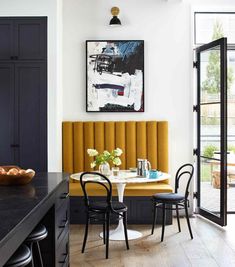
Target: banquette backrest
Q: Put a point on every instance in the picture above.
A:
(137, 139)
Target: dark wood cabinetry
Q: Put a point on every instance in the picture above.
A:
(6, 113)
(23, 38)
(23, 92)
(139, 210)
(55, 248)
(45, 200)
(62, 226)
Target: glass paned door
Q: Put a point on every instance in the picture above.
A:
(212, 130)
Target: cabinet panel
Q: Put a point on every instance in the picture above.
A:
(6, 37)
(139, 210)
(62, 252)
(30, 38)
(6, 114)
(62, 221)
(31, 109)
(23, 92)
(62, 194)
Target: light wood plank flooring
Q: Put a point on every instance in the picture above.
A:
(211, 246)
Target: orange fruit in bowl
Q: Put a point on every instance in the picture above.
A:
(2, 171)
(13, 171)
(22, 172)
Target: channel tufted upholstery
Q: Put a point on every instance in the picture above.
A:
(137, 139)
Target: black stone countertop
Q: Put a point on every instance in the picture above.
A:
(18, 202)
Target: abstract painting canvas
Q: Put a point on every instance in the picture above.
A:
(115, 76)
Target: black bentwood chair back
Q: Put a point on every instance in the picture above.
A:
(166, 201)
(101, 210)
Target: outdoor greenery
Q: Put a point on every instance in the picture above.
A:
(212, 84)
(211, 89)
(206, 174)
(231, 148)
(209, 151)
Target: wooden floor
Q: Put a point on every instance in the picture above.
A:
(211, 246)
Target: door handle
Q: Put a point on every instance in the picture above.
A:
(15, 145)
(14, 57)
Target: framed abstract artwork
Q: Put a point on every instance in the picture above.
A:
(115, 76)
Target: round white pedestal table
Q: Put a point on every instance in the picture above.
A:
(124, 178)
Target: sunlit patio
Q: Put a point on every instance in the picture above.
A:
(210, 197)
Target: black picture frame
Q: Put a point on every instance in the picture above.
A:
(115, 76)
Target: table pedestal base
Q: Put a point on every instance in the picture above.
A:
(118, 233)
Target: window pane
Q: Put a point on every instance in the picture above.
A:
(231, 101)
(210, 186)
(212, 26)
(210, 75)
(210, 131)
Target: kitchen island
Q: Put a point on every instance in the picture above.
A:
(44, 200)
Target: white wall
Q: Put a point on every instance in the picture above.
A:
(165, 28)
(53, 10)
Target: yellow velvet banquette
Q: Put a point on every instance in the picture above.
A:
(137, 139)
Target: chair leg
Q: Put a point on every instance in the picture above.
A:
(107, 234)
(125, 229)
(178, 218)
(31, 249)
(104, 218)
(85, 235)
(39, 254)
(188, 222)
(154, 217)
(163, 220)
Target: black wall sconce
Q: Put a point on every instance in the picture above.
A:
(115, 21)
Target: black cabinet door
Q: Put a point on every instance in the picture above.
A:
(30, 38)
(6, 39)
(31, 111)
(7, 114)
(23, 38)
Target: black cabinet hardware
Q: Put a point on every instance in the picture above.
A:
(15, 145)
(64, 225)
(64, 195)
(65, 259)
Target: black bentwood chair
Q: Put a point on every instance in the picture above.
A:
(165, 201)
(101, 210)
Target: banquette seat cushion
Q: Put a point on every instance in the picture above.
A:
(137, 139)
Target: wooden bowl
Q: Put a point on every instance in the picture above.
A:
(19, 179)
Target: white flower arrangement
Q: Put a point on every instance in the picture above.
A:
(92, 152)
(106, 156)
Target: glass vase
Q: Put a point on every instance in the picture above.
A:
(104, 168)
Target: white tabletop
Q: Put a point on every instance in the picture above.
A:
(126, 177)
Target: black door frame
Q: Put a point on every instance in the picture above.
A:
(222, 220)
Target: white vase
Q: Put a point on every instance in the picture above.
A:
(104, 168)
